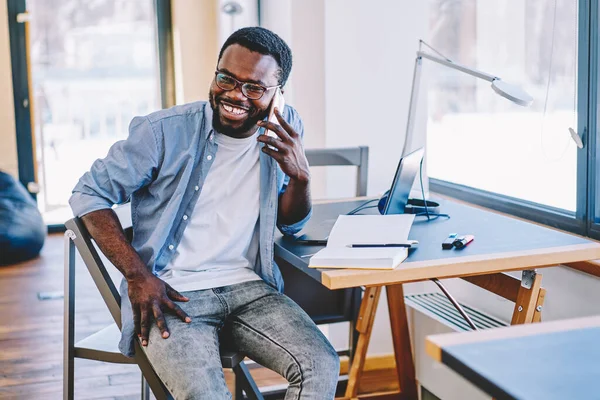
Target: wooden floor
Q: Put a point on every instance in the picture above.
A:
(31, 337)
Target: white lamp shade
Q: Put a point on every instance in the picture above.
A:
(512, 92)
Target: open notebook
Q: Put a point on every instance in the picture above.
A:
(365, 229)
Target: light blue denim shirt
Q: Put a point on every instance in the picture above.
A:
(161, 168)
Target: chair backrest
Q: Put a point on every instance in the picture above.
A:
(356, 156)
(93, 261)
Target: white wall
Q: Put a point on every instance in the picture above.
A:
(8, 137)
(370, 52)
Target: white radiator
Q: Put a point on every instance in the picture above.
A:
(432, 313)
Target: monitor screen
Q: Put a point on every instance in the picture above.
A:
(407, 171)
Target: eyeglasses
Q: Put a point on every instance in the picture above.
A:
(253, 91)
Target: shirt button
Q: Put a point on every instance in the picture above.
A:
(185, 217)
(209, 157)
(171, 247)
(197, 188)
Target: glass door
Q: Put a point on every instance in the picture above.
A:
(93, 66)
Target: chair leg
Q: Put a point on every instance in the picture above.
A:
(145, 389)
(239, 392)
(244, 381)
(69, 319)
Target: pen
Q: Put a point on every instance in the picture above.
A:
(367, 245)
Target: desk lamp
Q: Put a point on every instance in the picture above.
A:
(504, 89)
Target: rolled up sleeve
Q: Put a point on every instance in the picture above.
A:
(129, 165)
(296, 227)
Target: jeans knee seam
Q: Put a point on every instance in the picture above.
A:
(278, 345)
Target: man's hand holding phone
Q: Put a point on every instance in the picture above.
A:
(284, 144)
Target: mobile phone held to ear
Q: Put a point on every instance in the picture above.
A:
(279, 103)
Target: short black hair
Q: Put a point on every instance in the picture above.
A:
(265, 42)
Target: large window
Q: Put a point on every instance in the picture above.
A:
(94, 65)
(481, 140)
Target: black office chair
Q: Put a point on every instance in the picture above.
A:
(102, 345)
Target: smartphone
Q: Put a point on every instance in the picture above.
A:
(279, 102)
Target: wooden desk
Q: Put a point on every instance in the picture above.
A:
(552, 360)
(501, 244)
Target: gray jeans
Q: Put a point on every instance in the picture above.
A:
(252, 318)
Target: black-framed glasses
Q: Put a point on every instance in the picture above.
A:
(253, 91)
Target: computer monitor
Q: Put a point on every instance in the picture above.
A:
(394, 203)
(407, 171)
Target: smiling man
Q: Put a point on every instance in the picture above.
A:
(206, 195)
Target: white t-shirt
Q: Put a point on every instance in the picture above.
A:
(220, 245)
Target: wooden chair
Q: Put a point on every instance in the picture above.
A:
(102, 345)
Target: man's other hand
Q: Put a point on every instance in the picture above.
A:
(150, 296)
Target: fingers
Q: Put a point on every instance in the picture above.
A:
(277, 129)
(143, 319)
(174, 294)
(277, 155)
(136, 321)
(178, 311)
(160, 321)
(271, 141)
(144, 324)
(284, 124)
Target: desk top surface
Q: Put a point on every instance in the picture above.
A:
(501, 244)
(552, 360)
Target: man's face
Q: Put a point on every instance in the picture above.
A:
(234, 114)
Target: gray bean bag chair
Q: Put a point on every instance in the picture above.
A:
(22, 229)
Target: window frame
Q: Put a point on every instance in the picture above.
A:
(166, 52)
(593, 227)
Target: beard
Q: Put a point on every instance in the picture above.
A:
(240, 130)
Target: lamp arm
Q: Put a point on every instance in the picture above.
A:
(412, 108)
(459, 67)
(414, 93)
(504, 89)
